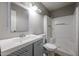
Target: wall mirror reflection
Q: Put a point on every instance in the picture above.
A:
(19, 18)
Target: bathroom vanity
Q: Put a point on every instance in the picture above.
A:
(18, 23)
(26, 46)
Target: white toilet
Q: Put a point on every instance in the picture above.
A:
(50, 48)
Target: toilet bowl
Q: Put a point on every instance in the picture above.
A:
(51, 48)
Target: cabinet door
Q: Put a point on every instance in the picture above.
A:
(25, 51)
(38, 48)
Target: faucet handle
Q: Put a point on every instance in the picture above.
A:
(22, 35)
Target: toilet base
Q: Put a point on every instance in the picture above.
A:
(48, 53)
(51, 53)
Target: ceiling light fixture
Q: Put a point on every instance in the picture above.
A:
(34, 8)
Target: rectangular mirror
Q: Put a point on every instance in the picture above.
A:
(19, 18)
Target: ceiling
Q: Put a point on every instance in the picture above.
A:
(55, 5)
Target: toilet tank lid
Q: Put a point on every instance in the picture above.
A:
(50, 46)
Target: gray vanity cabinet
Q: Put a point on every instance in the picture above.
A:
(35, 49)
(25, 51)
(38, 48)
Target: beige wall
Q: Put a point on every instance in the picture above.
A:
(35, 22)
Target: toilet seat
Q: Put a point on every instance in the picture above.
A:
(50, 46)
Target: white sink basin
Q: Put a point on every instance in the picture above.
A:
(27, 37)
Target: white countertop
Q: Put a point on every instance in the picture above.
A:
(12, 44)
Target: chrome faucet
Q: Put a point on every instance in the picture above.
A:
(22, 35)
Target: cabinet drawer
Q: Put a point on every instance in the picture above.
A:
(25, 51)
